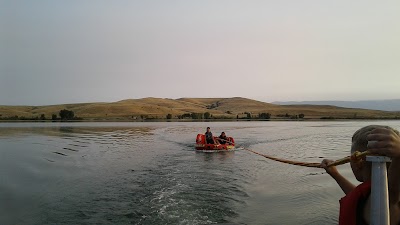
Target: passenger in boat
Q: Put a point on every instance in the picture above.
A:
(356, 205)
(210, 138)
(223, 138)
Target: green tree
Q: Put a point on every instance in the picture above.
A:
(197, 116)
(207, 115)
(301, 115)
(248, 115)
(66, 114)
(264, 116)
(42, 117)
(186, 115)
(53, 117)
(169, 116)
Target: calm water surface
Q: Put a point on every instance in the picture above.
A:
(149, 173)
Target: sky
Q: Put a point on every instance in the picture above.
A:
(55, 52)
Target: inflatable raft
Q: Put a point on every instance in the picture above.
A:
(202, 146)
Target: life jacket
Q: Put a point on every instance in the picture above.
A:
(351, 205)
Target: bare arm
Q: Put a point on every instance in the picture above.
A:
(344, 184)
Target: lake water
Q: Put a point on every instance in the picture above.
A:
(149, 173)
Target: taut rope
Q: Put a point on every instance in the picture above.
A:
(356, 155)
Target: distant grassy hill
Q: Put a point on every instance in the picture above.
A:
(218, 107)
(386, 105)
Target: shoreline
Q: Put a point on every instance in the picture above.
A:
(194, 120)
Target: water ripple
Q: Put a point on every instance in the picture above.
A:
(149, 173)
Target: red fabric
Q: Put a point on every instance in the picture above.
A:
(349, 203)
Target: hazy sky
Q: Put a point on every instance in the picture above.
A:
(69, 51)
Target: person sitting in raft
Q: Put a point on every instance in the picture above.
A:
(210, 138)
(355, 207)
(222, 138)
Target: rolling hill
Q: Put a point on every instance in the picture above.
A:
(386, 105)
(218, 107)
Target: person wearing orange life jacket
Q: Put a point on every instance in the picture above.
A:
(355, 206)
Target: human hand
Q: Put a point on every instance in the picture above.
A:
(384, 142)
(330, 170)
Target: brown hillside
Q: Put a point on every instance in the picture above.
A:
(218, 107)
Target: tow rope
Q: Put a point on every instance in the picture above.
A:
(355, 156)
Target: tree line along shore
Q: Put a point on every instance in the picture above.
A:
(69, 115)
(186, 109)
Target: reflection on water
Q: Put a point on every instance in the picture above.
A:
(64, 130)
(149, 173)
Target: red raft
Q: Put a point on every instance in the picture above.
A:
(201, 145)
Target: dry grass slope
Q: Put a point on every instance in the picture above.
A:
(160, 107)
